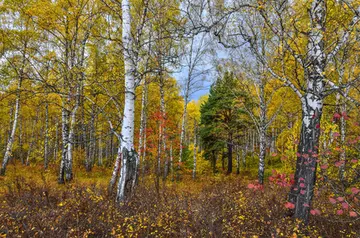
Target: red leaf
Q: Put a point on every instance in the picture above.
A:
(340, 199)
(332, 200)
(354, 161)
(315, 212)
(251, 186)
(339, 212)
(290, 205)
(345, 205)
(353, 214)
(317, 126)
(336, 134)
(302, 185)
(306, 205)
(337, 115)
(355, 190)
(324, 166)
(338, 163)
(302, 192)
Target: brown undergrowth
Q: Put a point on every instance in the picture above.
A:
(35, 206)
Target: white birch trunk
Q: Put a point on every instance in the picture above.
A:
(8, 151)
(302, 191)
(262, 134)
(129, 159)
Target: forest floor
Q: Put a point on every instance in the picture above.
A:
(32, 204)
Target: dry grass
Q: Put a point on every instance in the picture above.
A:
(32, 204)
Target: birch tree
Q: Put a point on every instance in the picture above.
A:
(17, 47)
(308, 45)
(195, 64)
(312, 93)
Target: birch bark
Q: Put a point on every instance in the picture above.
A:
(129, 158)
(10, 143)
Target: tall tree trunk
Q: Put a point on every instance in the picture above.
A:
(144, 148)
(302, 191)
(342, 110)
(65, 137)
(223, 160)
(129, 158)
(186, 101)
(163, 126)
(262, 133)
(214, 159)
(71, 140)
(171, 163)
(8, 151)
(32, 142)
(273, 140)
(142, 124)
(92, 142)
(182, 134)
(237, 160)
(342, 139)
(56, 143)
(46, 139)
(262, 154)
(229, 155)
(195, 151)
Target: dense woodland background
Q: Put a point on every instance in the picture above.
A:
(103, 132)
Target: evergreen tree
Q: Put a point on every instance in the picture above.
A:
(221, 118)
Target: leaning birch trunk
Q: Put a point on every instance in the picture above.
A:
(10, 143)
(302, 191)
(129, 158)
(116, 170)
